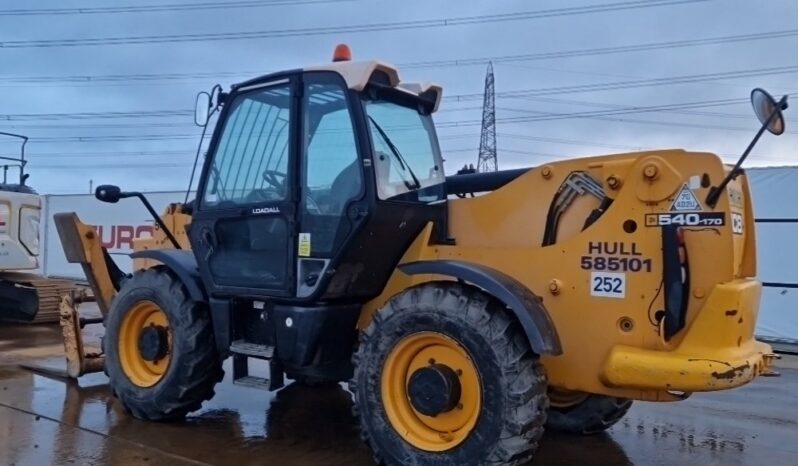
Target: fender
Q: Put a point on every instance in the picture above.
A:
(525, 305)
(183, 264)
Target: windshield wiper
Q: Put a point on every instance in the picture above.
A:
(402, 162)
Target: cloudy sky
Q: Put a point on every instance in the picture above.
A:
(108, 95)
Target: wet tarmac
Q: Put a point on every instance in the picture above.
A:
(46, 420)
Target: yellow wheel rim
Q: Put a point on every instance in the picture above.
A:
(140, 371)
(563, 398)
(446, 430)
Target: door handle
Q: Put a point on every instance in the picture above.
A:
(209, 240)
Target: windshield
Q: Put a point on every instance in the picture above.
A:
(406, 154)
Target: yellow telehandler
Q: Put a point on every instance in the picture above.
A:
(326, 239)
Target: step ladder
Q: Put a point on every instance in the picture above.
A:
(242, 351)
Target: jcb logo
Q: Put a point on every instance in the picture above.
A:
(737, 223)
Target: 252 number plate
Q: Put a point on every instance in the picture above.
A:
(608, 284)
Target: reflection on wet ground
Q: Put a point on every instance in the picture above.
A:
(46, 420)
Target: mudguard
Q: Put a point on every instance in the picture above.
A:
(183, 264)
(525, 305)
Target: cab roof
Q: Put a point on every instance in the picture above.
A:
(358, 73)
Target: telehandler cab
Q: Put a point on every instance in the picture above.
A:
(323, 240)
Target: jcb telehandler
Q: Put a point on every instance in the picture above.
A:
(326, 240)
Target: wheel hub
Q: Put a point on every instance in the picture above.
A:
(145, 343)
(153, 342)
(431, 391)
(434, 389)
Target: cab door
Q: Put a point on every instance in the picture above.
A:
(243, 230)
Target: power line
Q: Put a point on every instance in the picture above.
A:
(535, 117)
(93, 115)
(350, 29)
(585, 103)
(119, 78)
(117, 166)
(575, 142)
(117, 137)
(107, 154)
(612, 119)
(546, 116)
(644, 47)
(534, 154)
(618, 85)
(93, 79)
(81, 125)
(635, 83)
(610, 146)
(158, 8)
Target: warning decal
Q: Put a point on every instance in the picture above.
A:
(304, 245)
(685, 201)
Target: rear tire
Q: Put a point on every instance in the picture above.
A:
(594, 414)
(509, 417)
(191, 366)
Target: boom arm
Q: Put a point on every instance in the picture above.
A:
(82, 246)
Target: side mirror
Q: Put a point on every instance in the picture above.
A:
(202, 108)
(768, 111)
(108, 193)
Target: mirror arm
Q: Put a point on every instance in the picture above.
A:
(154, 214)
(715, 191)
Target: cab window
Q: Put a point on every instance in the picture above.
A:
(251, 159)
(333, 174)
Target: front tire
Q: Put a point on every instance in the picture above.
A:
(455, 333)
(161, 358)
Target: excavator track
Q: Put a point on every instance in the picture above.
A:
(32, 298)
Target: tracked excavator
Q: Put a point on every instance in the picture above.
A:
(24, 295)
(326, 242)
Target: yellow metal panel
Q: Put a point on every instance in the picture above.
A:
(717, 352)
(177, 221)
(504, 230)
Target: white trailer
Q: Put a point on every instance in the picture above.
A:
(775, 191)
(117, 224)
